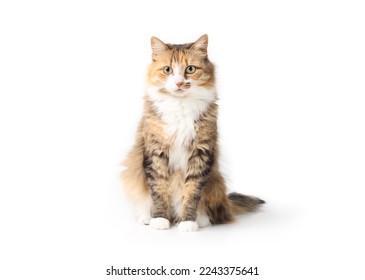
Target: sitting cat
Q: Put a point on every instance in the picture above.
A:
(172, 172)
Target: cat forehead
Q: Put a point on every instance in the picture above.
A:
(178, 56)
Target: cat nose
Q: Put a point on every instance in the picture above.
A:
(179, 84)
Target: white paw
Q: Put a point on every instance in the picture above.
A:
(203, 220)
(188, 226)
(160, 223)
(144, 219)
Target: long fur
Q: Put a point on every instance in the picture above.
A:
(172, 174)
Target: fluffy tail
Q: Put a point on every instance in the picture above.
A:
(240, 203)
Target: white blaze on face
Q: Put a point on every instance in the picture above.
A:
(176, 77)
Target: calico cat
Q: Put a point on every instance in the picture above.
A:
(172, 172)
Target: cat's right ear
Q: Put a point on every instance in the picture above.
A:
(157, 46)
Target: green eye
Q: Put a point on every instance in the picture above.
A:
(190, 69)
(167, 70)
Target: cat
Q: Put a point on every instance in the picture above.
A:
(172, 172)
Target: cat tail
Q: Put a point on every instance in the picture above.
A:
(240, 203)
(133, 177)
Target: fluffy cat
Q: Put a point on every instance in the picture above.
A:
(172, 173)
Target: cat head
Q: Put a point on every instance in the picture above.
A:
(181, 70)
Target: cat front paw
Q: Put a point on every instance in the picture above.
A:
(160, 223)
(188, 226)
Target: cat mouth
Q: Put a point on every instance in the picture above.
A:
(176, 92)
(179, 92)
(182, 89)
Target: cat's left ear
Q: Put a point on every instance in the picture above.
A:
(201, 45)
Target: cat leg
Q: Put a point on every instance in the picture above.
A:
(202, 220)
(157, 174)
(160, 207)
(199, 167)
(191, 198)
(215, 201)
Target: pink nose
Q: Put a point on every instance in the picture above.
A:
(179, 84)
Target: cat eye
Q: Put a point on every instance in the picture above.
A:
(190, 69)
(167, 70)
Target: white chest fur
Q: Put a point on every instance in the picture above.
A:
(179, 115)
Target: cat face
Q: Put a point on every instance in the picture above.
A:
(179, 70)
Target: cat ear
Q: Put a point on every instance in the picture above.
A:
(157, 46)
(201, 45)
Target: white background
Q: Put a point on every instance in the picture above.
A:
(292, 130)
